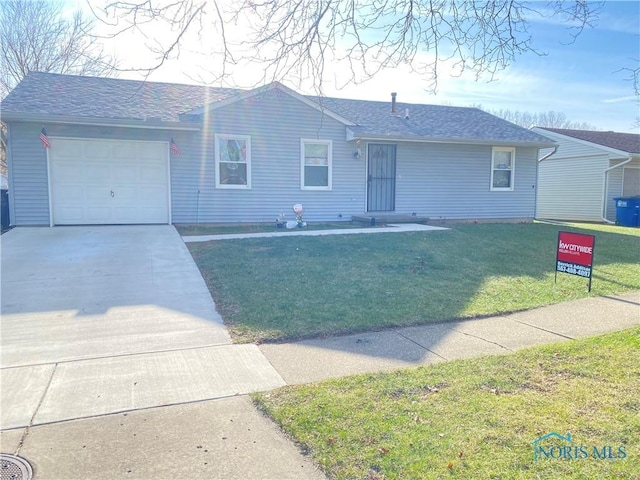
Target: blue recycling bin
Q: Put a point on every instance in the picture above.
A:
(628, 211)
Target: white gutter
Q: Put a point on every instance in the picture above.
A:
(458, 141)
(605, 188)
(555, 149)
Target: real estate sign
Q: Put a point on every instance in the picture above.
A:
(574, 254)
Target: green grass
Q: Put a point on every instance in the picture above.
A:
(294, 287)
(475, 418)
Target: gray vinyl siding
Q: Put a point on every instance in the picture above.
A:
(631, 180)
(275, 122)
(441, 181)
(453, 182)
(28, 187)
(571, 188)
(571, 182)
(614, 190)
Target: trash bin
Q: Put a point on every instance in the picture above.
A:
(4, 209)
(628, 211)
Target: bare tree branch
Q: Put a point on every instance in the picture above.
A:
(35, 36)
(549, 119)
(297, 39)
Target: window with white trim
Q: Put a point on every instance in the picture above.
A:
(233, 161)
(503, 162)
(316, 164)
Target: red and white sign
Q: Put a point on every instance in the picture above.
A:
(574, 254)
(576, 248)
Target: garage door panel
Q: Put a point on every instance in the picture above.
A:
(70, 195)
(111, 182)
(93, 173)
(125, 196)
(125, 175)
(67, 172)
(155, 214)
(72, 213)
(125, 214)
(95, 196)
(66, 149)
(126, 151)
(97, 215)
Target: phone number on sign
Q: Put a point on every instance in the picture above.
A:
(574, 269)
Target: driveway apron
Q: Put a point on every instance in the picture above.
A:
(98, 320)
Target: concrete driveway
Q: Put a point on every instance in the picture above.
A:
(97, 320)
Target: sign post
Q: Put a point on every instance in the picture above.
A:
(574, 254)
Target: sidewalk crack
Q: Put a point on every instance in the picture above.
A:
(483, 339)
(35, 412)
(420, 345)
(544, 330)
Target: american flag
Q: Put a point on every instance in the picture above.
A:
(174, 148)
(44, 139)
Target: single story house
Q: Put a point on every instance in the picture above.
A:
(86, 150)
(589, 169)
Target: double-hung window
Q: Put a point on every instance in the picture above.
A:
(502, 168)
(233, 161)
(316, 163)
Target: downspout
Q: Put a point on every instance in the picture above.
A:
(605, 189)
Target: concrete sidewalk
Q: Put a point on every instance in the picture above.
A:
(390, 228)
(314, 360)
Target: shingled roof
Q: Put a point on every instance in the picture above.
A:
(626, 142)
(53, 96)
(419, 121)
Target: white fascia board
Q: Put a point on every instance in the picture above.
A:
(605, 149)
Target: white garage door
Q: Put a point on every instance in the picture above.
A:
(108, 182)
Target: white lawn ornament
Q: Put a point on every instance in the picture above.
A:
(298, 210)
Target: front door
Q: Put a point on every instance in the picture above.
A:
(381, 177)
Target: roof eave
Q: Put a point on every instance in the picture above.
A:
(149, 123)
(462, 141)
(580, 141)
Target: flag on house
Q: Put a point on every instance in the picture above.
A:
(174, 148)
(44, 139)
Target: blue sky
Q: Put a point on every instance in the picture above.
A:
(582, 79)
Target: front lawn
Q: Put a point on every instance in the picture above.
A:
(287, 288)
(477, 418)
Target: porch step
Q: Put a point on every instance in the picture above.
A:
(382, 217)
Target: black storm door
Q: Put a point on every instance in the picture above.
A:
(381, 177)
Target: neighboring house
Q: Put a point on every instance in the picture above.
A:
(589, 169)
(247, 156)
